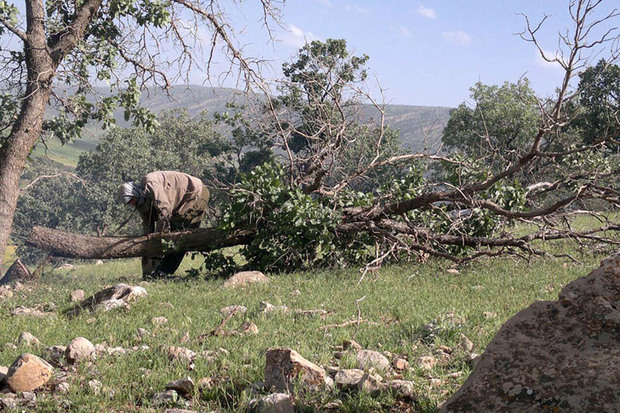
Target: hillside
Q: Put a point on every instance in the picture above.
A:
(420, 126)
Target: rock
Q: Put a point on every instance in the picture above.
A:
(367, 359)
(182, 355)
(99, 262)
(165, 398)
(358, 381)
(54, 355)
(28, 372)
(179, 411)
(206, 383)
(466, 344)
(3, 372)
(453, 271)
(5, 292)
(27, 339)
(79, 349)
(238, 309)
(554, 355)
(435, 382)
(348, 379)
(275, 403)
(76, 296)
(351, 345)
(244, 278)
(63, 387)
(17, 272)
(285, 366)
(248, 328)
(10, 346)
(402, 388)
(184, 386)
(400, 364)
(38, 311)
(266, 308)
(8, 403)
(95, 386)
(159, 321)
(117, 296)
(427, 362)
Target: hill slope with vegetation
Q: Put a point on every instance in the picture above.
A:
(420, 126)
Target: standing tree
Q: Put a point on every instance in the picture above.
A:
(61, 48)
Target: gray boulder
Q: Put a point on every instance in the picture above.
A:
(555, 355)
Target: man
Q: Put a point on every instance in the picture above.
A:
(167, 201)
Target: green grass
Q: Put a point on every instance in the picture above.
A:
(397, 302)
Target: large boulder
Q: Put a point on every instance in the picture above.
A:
(285, 367)
(559, 355)
(28, 372)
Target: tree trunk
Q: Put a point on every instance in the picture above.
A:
(27, 128)
(66, 244)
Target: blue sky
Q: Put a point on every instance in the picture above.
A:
(422, 53)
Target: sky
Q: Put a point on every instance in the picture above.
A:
(422, 53)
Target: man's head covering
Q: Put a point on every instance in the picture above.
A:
(129, 190)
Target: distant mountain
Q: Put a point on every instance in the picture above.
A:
(420, 126)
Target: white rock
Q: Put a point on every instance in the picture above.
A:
(79, 349)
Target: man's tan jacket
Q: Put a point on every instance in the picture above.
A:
(168, 193)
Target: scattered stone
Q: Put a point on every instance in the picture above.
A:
(5, 292)
(466, 344)
(400, 364)
(245, 278)
(165, 398)
(472, 359)
(332, 370)
(206, 383)
(3, 372)
(63, 387)
(339, 354)
(159, 321)
(285, 367)
(435, 382)
(79, 349)
(402, 388)
(295, 293)
(454, 375)
(349, 379)
(29, 397)
(38, 311)
(76, 296)
(275, 403)
(446, 349)
(54, 355)
(95, 386)
(367, 359)
(99, 262)
(143, 332)
(66, 265)
(554, 355)
(182, 355)
(489, 314)
(248, 328)
(265, 308)
(333, 405)
(452, 271)
(238, 309)
(427, 362)
(27, 339)
(10, 346)
(8, 403)
(110, 298)
(351, 345)
(28, 372)
(184, 386)
(179, 411)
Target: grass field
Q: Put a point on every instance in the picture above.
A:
(395, 304)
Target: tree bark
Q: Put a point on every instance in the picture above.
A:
(69, 245)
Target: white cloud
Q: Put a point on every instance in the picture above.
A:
(358, 9)
(426, 12)
(298, 38)
(540, 61)
(404, 31)
(459, 38)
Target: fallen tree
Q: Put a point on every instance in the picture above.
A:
(69, 245)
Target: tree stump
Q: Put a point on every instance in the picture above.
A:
(17, 272)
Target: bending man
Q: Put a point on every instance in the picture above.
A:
(167, 201)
